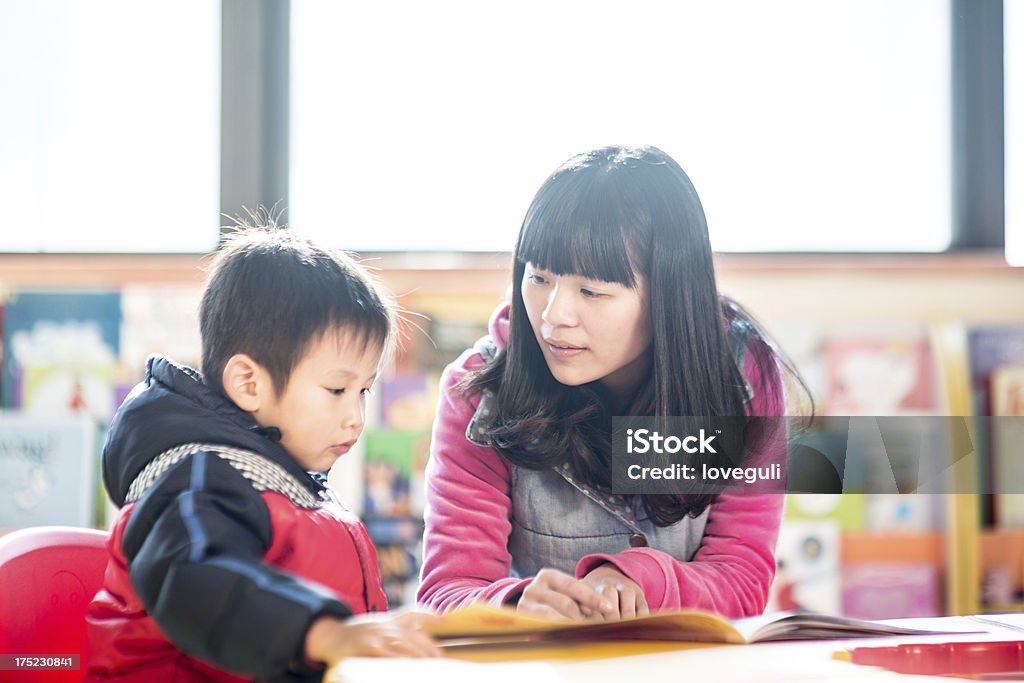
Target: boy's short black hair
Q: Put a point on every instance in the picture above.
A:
(271, 294)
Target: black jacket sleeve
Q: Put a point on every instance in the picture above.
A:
(195, 544)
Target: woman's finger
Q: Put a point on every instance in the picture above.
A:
(627, 601)
(563, 604)
(585, 595)
(551, 587)
(612, 597)
(642, 609)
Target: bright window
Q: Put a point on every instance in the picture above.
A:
(806, 125)
(110, 125)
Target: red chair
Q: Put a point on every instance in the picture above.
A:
(48, 575)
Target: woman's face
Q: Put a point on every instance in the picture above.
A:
(589, 330)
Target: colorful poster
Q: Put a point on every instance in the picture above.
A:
(61, 353)
(47, 470)
(393, 472)
(160, 319)
(408, 401)
(878, 376)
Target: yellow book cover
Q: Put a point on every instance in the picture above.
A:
(481, 624)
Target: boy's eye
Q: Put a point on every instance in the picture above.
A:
(339, 392)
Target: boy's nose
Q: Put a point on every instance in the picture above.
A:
(353, 418)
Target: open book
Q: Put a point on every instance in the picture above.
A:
(480, 624)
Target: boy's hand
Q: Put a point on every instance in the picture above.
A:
(618, 589)
(330, 640)
(557, 595)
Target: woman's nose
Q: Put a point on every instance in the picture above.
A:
(560, 310)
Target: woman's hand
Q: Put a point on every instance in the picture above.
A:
(330, 640)
(557, 595)
(619, 590)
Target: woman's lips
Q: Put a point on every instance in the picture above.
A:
(563, 351)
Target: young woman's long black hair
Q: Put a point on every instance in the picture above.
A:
(609, 215)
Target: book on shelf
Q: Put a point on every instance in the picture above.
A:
(969, 360)
(807, 556)
(890, 590)
(1007, 399)
(991, 348)
(878, 374)
(480, 624)
(1008, 390)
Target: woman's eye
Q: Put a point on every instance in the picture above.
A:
(590, 294)
(536, 279)
(336, 392)
(366, 392)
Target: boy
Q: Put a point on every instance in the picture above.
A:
(227, 555)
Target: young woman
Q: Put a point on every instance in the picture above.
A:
(614, 311)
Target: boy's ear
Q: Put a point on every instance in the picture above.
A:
(245, 382)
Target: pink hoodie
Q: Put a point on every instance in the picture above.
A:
(468, 522)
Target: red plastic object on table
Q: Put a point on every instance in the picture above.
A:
(987, 657)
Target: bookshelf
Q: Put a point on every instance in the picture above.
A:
(970, 546)
(862, 291)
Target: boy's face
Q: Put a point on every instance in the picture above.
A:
(323, 406)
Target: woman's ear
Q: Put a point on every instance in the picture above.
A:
(245, 382)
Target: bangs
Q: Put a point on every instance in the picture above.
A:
(582, 235)
(363, 332)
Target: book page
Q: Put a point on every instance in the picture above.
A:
(808, 625)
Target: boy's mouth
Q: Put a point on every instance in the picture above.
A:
(340, 449)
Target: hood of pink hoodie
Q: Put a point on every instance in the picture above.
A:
(499, 323)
